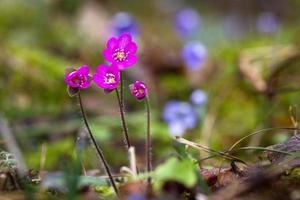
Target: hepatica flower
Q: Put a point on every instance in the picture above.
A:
(78, 79)
(124, 23)
(198, 98)
(107, 78)
(267, 22)
(136, 197)
(179, 116)
(121, 51)
(139, 90)
(194, 54)
(187, 22)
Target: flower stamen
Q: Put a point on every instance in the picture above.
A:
(109, 78)
(120, 55)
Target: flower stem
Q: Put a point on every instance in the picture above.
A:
(148, 140)
(99, 151)
(123, 120)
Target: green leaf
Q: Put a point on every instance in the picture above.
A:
(181, 171)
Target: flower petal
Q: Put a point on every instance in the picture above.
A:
(99, 77)
(83, 70)
(131, 47)
(124, 40)
(176, 128)
(132, 59)
(128, 63)
(86, 84)
(102, 69)
(99, 81)
(107, 54)
(112, 43)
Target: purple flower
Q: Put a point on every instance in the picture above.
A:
(139, 90)
(78, 79)
(124, 23)
(136, 197)
(121, 51)
(198, 97)
(179, 116)
(187, 22)
(176, 128)
(194, 54)
(267, 23)
(106, 77)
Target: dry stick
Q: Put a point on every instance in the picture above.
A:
(123, 120)
(148, 141)
(208, 150)
(258, 132)
(12, 144)
(250, 148)
(132, 160)
(255, 133)
(43, 158)
(99, 151)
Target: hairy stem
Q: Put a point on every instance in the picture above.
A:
(123, 120)
(148, 140)
(99, 151)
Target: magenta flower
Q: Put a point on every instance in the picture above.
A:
(78, 79)
(139, 90)
(106, 77)
(121, 51)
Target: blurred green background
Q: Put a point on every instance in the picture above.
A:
(251, 76)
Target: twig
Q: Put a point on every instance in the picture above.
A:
(258, 132)
(208, 150)
(132, 160)
(12, 145)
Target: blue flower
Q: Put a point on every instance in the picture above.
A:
(187, 22)
(179, 116)
(124, 23)
(267, 22)
(136, 197)
(194, 54)
(198, 98)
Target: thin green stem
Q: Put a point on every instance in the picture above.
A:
(262, 149)
(99, 151)
(258, 132)
(123, 120)
(148, 140)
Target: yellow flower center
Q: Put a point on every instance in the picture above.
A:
(109, 78)
(120, 55)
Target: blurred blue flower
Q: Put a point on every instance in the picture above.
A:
(179, 116)
(187, 22)
(124, 23)
(194, 54)
(267, 22)
(198, 98)
(176, 128)
(136, 197)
